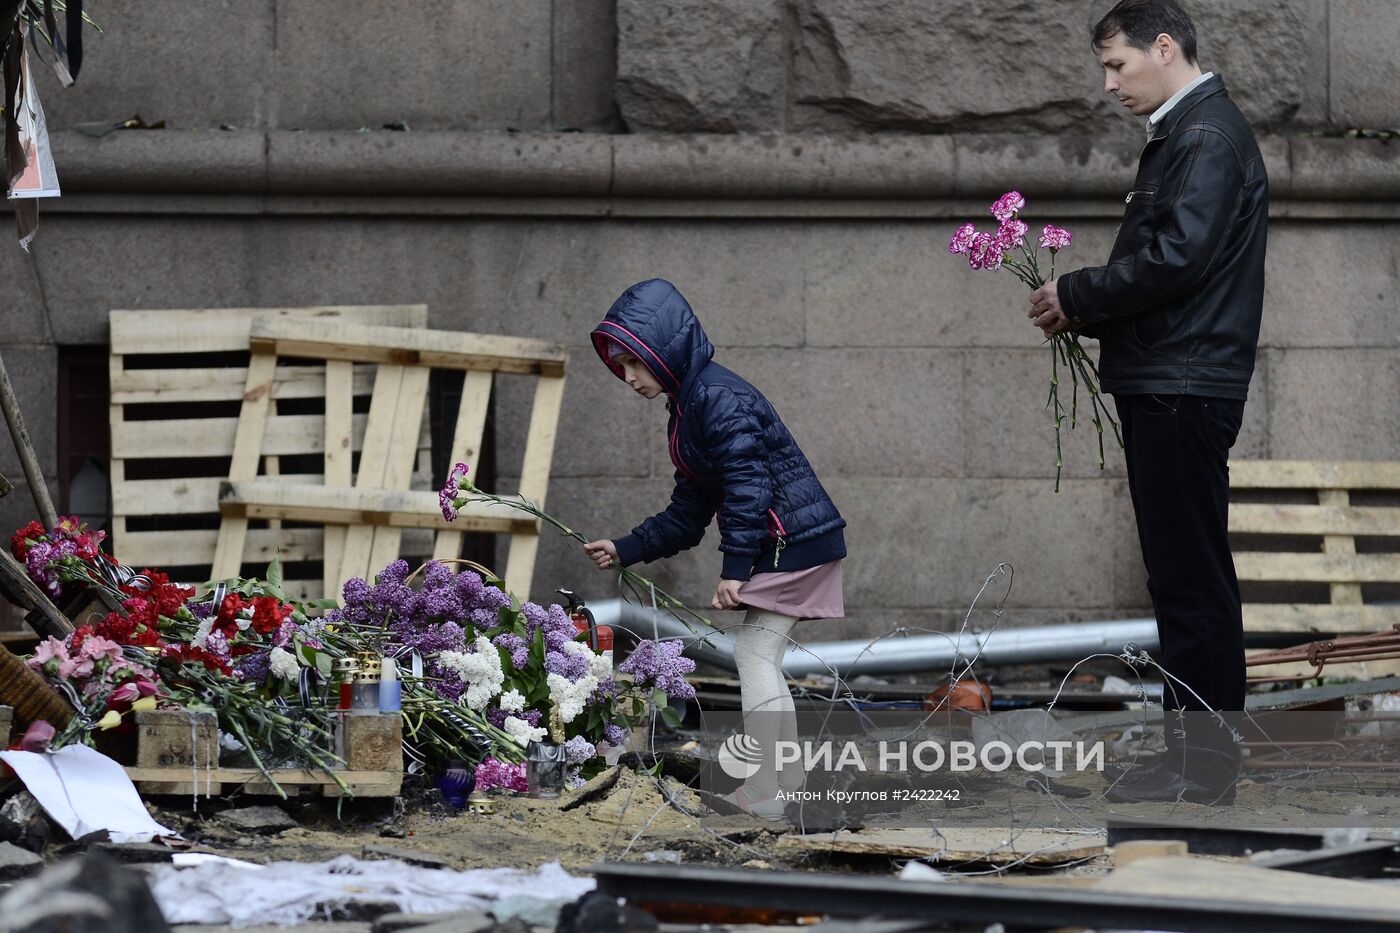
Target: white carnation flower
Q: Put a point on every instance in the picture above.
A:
(522, 731)
(283, 664)
(512, 701)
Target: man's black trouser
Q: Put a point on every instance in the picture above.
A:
(1176, 448)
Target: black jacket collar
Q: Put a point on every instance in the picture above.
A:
(1211, 87)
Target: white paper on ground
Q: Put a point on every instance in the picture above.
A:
(294, 892)
(84, 791)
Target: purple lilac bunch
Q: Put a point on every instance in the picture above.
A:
(659, 665)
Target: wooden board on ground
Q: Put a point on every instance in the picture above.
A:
(178, 379)
(1330, 525)
(954, 845)
(1215, 878)
(221, 781)
(371, 511)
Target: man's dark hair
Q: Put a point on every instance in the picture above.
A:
(1142, 21)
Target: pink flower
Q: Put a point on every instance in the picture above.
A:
(985, 252)
(1055, 238)
(126, 693)
(1012, 233)
(447, 496)
(97, 648)
(49, 649)
(1008, 206)
(962, 240)
(75, 668)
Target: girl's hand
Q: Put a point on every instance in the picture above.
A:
(727, 595)
(603, 553)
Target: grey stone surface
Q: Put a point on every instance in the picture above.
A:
(145, 262)
(1345, 169)
(701, 67)
(436, 64)
(1330, 285)
(33, 372)
(1008, 429)
(1365, 76)
(1334, 404)
(467, 921)
(18, 863)
(261, 820)
(23, 317)
(170, 60)
(584, 65)
(866, 413)
(1271, 54)
(86, 894)
(941, 67)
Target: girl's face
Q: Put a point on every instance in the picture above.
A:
(638, 376)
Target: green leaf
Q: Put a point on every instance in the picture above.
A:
(324, 603)
(671, 716)
(658, 698)
(323, 665)
(274, 576)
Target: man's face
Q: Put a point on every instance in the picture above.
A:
(1136, 78)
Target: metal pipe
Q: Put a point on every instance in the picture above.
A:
(895, 654)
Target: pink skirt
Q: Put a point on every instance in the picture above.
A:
(815, 593)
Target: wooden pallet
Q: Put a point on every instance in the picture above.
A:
(1335, 524)
(366, 515)
(171, 372)
(177, 753)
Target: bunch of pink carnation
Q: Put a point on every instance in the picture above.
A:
(95, 668)
(989, 250)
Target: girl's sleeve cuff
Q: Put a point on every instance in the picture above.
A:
(737, 567)
(629, 550)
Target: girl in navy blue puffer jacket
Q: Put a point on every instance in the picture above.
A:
(779, 530)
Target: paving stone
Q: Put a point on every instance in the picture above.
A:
(261, 820)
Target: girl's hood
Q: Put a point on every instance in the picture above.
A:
(655, 323)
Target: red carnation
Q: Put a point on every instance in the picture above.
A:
(268, 614)
(19, 541)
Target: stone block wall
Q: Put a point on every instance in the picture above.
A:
(795, 166)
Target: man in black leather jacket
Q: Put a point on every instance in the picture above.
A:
(1177, 311)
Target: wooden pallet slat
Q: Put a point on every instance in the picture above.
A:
(400, 346)
(534, 479)
(1335, 523)
(394, 508)
(466, 446)
(161, 337)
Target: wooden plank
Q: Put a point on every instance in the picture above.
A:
(374, 460)
(147, 386)
(339, 457)
(409, 347)
(222, 330)
(466, 446)
(398, 467)
(1323, 619)
(1217, 879)
(363, 783)
(954, 844)
(1318, 568)
(394, 508)
(284, 435)
(1343, 594)
(534, 480)
(1315, 520)
(1313, 474)
(247, 443)
(195, 547)
(191, 496)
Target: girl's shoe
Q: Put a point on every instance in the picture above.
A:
(767, 808)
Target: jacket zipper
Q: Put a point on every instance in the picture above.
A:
(780, 533)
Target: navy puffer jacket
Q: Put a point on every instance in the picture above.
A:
(732, 453)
